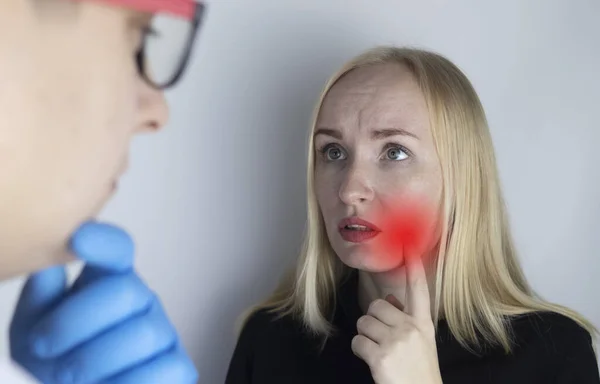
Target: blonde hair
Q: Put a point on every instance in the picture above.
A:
(478, 279)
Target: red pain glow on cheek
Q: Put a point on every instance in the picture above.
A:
(405, 231)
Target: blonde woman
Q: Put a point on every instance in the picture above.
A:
(396, 126)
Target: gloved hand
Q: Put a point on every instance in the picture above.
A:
(109, 327)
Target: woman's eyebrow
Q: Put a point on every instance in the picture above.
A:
(379, 134)
(329, 132)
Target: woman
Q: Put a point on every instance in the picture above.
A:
(408, 272)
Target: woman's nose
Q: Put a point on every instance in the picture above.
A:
(356, 187)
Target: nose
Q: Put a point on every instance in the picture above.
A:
(356, 189)
(153, 111)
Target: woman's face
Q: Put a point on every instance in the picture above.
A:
(71, 100)
(375, 156)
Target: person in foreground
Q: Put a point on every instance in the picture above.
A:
(408, 272)
(78, 80)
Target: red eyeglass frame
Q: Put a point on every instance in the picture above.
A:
(181, 8)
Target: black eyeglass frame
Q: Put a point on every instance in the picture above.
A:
(196, 23)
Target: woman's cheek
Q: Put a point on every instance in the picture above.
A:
(408, 227)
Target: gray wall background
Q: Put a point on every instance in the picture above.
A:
(216, 201)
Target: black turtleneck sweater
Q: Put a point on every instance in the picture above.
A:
(549, 349)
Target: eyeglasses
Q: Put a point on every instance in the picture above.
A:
(168, 42)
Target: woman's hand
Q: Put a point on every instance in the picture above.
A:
(399, 345)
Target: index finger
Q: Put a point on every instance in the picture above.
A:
(89, 312)
(417, 297)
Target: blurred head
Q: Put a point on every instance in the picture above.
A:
(374, 155)
(72, 97)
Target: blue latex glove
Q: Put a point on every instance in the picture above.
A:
(109, 327)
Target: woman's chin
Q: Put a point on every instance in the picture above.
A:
(369, 262)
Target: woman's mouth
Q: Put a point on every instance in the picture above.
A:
(356, 230)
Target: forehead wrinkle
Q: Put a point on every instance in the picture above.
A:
(370, 111)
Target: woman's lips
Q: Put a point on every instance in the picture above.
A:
(356, 230)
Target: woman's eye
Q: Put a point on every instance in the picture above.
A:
(333, 152)
(396, 154)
